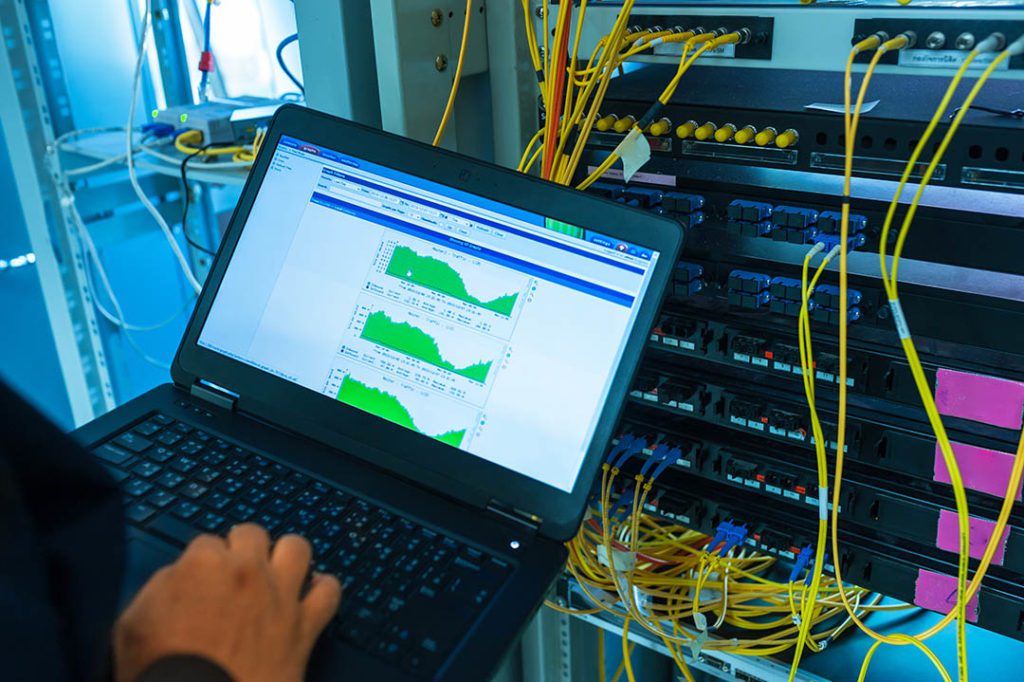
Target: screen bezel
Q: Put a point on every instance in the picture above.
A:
(453, 472)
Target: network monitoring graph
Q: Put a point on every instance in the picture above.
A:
(405, 405)
(413, 341)
(438, 275)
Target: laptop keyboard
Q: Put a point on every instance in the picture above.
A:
(410, 592)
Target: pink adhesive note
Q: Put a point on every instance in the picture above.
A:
(937, 592)
(980, 398)
(948, 536)
(983, 470)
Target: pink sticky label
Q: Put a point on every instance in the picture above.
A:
(948, 536)
(986, 471)
(647, 178)
(980, 398)
(937, 592)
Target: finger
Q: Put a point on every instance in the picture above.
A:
(249, 540)
(205, 544)
(289, 563)
(320, 604)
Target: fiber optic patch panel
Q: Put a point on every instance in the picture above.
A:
(874, 370)
(750, 161)
(976, 226)
(894, 569)
(873, 503)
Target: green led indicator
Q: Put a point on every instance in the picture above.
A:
(184, 117)
(155, 113)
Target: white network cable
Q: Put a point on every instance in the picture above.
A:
(129, 156)
(85, 238)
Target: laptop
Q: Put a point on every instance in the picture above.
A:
(414, 359)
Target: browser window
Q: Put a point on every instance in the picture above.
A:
(485, 327)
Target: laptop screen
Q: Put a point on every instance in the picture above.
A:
(488, 328)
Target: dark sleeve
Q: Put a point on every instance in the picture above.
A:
(61, 550)
(184, 668)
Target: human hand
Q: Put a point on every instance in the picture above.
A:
(235, 601)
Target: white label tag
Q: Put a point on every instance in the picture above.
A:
(947, 59)
(670, 342)
(727, 51)
(635, 151)
(902, 330)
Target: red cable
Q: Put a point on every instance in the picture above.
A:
(555, 113)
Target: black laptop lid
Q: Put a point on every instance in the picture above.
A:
(464, 326)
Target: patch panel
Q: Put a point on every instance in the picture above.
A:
(899, 440)
(935, 308)
(893, 569)
(875, 503)
(940, 43)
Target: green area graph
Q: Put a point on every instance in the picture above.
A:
(405, 338)
(435, 274)
(387, 406)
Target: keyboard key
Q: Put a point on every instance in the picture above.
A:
(145, 469)
(217, 501)
(159, 454)
(161, 499)
(283, 488)
(116, 474)
(328, 529)
(183, 428)
(169, 438)
(183, 464)
(304, 518)
(170, 479)
(193, 490)
(109, 453)
(242, 512)
(255, 496)
(190, 448)
(230, 486)
(137, 487)
(207, 475)
(162, 419)
(133, 442)
(139, 512)
(308, 498)
(185, 509)
(173, 528)
(210, 522)
(148, 428)
(269, 521)
(279, 507)
(213, 457)
(236, 467)
(259, 478)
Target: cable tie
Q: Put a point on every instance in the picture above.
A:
(540, 76)
(902, 330)
(823, 503)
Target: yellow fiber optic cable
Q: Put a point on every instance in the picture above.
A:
(710, 41)
(450, 106)
(1018, 468)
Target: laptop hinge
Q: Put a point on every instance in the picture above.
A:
(528, 521)
(212, 393)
